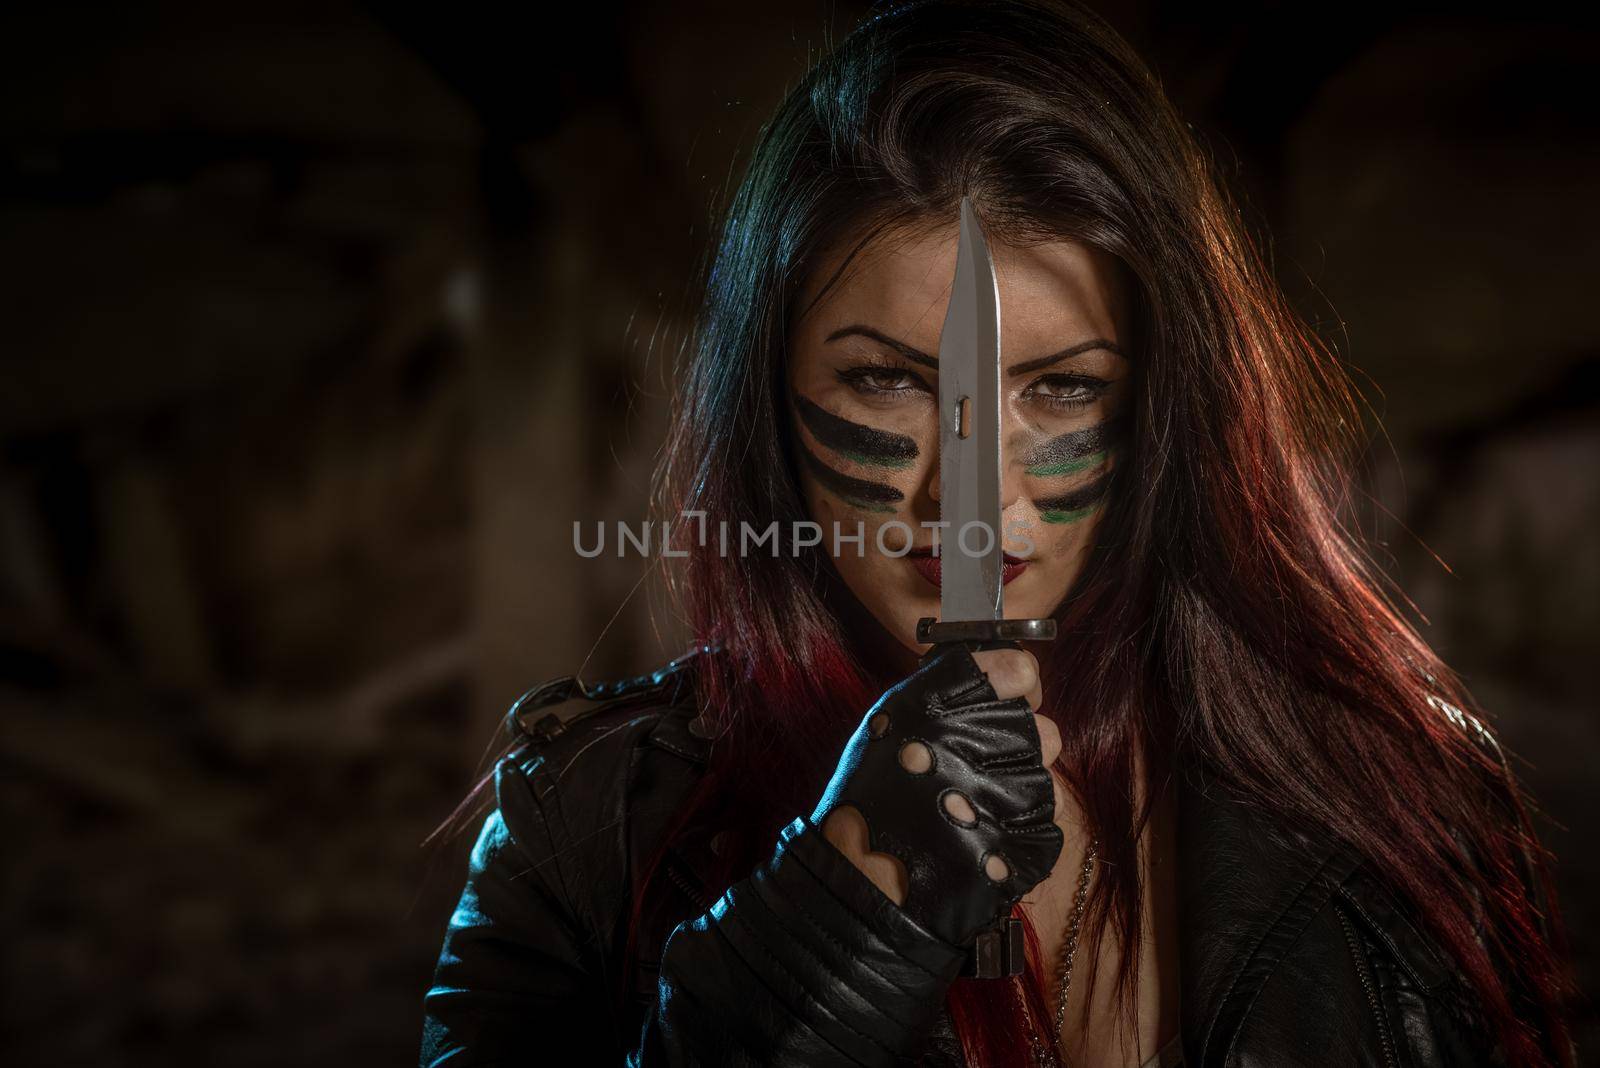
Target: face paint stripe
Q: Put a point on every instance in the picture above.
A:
(1078, 445)
(1066, 467)
(1068, 517)
(864, 444)
(1078, 501)
(871, 496)
(874, 461)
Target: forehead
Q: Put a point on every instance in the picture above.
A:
(1050, 293)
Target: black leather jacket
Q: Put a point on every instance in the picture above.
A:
(1290, 951)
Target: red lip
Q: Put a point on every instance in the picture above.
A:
(931, 567)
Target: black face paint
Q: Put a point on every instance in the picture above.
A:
(1074, 452)
(856, 492)
(863, 444)
(1071, 507)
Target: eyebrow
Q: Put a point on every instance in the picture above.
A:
(918, 356)
(1067, 353)
(914, 355)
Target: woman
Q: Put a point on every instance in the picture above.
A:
(1237, 805)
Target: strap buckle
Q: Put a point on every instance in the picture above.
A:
(998, 952)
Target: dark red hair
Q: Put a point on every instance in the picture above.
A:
(1226, 614)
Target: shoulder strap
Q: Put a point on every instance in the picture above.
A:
(1474, 728)
(1507, 794)
(667, 684)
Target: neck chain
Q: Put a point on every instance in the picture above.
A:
(1046, 1055)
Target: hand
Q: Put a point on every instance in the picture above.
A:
(942, 796)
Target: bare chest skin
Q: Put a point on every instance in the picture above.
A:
(1049, 908)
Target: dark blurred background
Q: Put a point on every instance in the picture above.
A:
(323, 324)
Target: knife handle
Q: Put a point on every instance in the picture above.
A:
(999, 952)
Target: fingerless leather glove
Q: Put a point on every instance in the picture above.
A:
(985, 749)
(810, 941)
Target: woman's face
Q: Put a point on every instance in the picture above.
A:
(863, 385)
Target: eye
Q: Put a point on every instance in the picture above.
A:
(873, 380)
(1061, 392)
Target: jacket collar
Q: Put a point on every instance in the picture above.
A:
(1248, 884)
(1247, 887)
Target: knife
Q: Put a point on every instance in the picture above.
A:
(971, 590)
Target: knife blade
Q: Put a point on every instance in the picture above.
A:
(971, 586)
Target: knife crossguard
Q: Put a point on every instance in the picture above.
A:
(931, 631)
(983, 750)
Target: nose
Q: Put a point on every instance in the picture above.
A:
(1012, 444)
(1012, 439)
(1012, 510)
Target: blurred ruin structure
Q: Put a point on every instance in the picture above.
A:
(323, 325)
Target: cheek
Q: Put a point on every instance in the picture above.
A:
(896, 529)
(1066, 482)
(868, 469)
(1059, 554)
(1063, 510)
(1066, 542)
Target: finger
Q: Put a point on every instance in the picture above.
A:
(1049, 739)
(1063, 796)
(1012, 673)
(846, 828)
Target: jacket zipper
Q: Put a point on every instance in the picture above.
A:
(1367, 985)
(683, 883)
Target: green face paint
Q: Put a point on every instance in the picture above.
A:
(1071, 453)
(1066, 467)
(856, 492)
(1071, 507)
(864, 445)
